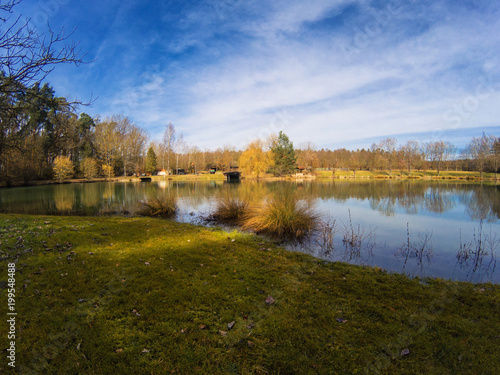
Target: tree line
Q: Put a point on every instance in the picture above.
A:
(482, 154)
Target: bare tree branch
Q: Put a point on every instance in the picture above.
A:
(28, 57)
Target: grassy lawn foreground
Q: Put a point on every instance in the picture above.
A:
(151, 296)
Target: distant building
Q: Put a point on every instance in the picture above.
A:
(179, 171)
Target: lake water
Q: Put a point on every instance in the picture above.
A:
(439, 229)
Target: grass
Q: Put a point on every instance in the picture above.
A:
(145, 295)
(282, 216)
(165, 206)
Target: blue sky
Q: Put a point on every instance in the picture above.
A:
(340, 73)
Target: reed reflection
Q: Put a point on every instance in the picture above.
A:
(477, 257)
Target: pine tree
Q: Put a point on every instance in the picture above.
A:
(284, 155)
(151, 161)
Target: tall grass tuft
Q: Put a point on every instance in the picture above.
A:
(282, 216)
(159, 206)
(229, 209)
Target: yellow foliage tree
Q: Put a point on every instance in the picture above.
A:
(63, 168)
(89, 167)
(255, 159)
(108, 170)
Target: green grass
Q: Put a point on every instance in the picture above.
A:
(92, 293)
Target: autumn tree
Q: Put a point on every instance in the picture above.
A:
(255, 159)
(89, 168)
(284, 155)
(63, 168)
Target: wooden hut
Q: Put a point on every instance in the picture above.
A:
(232, 176)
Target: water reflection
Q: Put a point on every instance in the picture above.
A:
(478, 256)
(482, 203)
(64, 199)
(434, 211)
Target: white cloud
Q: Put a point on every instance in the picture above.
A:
(401, 81)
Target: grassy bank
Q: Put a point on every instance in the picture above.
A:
(219, 176)
(397, 174)
(152, 296)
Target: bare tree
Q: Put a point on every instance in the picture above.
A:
(28, 56)
(167, 145)
(179, 149)
(481, 150)
(227, 157)
(496, 155)
(411, 154)
(307, 156)
(389, 146)
(107, 143)
(438, 152)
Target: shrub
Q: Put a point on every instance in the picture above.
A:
(283, 216)
(63, 168)
(164, 207)
(230, 209)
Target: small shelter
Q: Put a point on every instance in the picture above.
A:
(232, 176)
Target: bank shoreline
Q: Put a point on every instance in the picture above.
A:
(320, 175)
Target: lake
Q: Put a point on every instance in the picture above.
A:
(445, 229)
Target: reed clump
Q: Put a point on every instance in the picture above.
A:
(230, 209)
(165, 206)
(282, 216)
